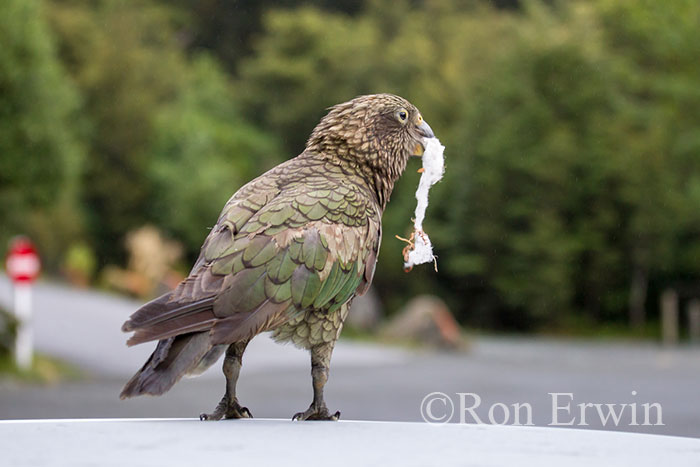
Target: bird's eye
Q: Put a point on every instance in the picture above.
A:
(402, 115)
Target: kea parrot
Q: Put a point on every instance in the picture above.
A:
(289, 252)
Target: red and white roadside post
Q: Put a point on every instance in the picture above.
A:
(23, 267)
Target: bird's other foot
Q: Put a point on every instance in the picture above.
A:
(316, 413)
(227, 409)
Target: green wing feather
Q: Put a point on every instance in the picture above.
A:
(275, 252)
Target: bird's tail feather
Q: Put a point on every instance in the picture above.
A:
(211, 357)
(164, 317)
(173, 358)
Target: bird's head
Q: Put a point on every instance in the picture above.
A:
(378, 132)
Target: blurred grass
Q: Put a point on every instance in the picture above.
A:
(45, 370)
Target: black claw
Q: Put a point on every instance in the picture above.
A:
(316, 415)
(207, 417)
(244, 410)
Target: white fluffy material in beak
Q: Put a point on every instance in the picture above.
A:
(421, 250)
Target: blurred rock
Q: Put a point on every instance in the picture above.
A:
(425, 319)
(151, 254)
(152, 259)
(130, 282)
(366, 312)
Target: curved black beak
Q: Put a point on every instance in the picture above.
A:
(425, 130)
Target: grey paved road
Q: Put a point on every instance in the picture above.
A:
(367, 382)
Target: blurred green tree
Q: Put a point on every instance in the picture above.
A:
(202, 152)
(166, 141)
(657, 48)
(40, 150)
(228, 28)
(570, 157)
(571, 129)
(126, 62)
(309, 59)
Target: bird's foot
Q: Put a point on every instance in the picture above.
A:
(316, 413)
(227, 409)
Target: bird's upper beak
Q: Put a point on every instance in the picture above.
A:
(426, 132)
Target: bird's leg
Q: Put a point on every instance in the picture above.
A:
(320, 362)
(229, 406)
